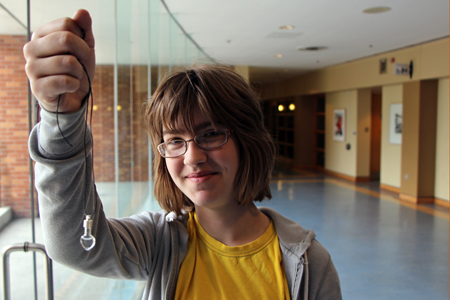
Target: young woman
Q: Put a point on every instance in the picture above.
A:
(213, 160)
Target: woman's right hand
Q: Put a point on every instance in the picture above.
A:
(53, 59)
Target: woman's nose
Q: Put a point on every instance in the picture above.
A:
(194, 155)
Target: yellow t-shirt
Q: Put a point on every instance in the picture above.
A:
(212, 270)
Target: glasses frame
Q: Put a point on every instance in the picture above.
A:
(228, 132)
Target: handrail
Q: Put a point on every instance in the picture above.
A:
(26, 247)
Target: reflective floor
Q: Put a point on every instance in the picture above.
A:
(381, 247)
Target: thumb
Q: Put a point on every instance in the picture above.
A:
(84, 21)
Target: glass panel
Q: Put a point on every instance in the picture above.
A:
(123, 113)
(136, 42)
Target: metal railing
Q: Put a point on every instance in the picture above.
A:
(25, 247)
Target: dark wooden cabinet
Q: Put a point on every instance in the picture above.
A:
(285, 126)
(319, 130)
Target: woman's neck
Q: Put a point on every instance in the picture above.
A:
(235, 225)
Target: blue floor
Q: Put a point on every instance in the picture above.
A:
(381, 249)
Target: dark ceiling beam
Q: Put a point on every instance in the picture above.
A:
(13, 16)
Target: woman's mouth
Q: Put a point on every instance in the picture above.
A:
(200, 177)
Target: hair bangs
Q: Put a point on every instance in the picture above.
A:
(178, 108)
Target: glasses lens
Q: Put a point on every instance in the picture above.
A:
(173, 148)
(207, 140)
(162, 150)
(211, 139)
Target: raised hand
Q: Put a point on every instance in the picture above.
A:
(53, 62)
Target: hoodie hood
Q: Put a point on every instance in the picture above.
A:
(297, 243)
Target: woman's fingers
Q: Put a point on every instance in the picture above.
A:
(55, 56)
(55, 65)
(49, 88)
(57, 43)
(63, 24)
(84, 22)
(54, 75)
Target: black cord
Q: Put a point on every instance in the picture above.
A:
(57, 121)
(89, 97)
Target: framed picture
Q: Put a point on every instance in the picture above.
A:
(339, 125)
(395, 123)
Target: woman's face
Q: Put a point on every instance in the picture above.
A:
(206, 177)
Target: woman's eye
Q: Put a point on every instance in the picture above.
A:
(174, 142)
(211, 134)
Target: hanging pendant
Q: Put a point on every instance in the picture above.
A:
(87, 240)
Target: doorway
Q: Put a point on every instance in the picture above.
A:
(375, 137)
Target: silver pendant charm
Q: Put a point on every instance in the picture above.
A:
(87, 240)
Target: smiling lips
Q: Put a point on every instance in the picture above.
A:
(200, 177)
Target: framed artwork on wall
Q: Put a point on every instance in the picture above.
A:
(395, 123)
(339, 125)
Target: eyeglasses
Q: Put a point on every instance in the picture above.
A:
(205, 141)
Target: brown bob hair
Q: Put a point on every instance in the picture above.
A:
(225, 98)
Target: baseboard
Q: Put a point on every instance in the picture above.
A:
(415, 199)
(306, 167)
(440, 202)
(347, 177)
(390, 188)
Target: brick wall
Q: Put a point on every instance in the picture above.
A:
(132, 136)
(140, 136)
(103, 123)
(14, 158)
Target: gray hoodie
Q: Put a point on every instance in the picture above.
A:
(144, 246)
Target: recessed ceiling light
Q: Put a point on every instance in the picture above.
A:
(376, 10)
(312, 48)
(278, 55)
(287, 27)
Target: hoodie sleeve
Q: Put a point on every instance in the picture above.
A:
(64, 184)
